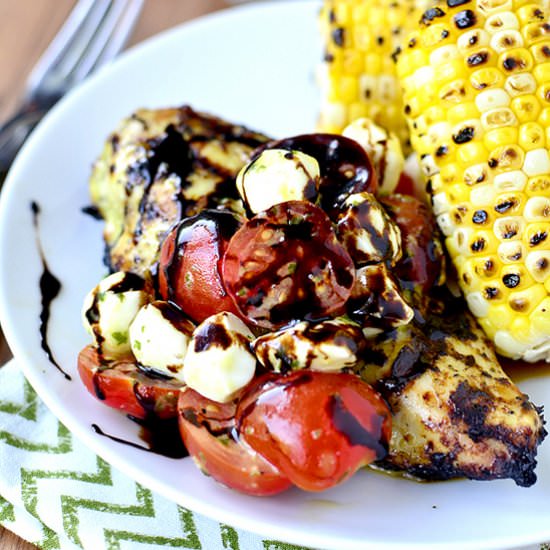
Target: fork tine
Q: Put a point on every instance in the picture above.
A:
(122, 32)
(96, 17)
(59, 44)
(110, 37)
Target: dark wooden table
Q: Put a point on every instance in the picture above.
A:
(26, 28)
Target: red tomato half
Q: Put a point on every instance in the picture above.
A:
(405, 185)
(121, 385)
(190, 264)
(316, 428)
(423, 263)
(286, 264)
(207, 429)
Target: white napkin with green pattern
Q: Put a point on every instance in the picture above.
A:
(57, 494)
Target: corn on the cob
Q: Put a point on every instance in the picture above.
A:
(476, 78)
(358, 76)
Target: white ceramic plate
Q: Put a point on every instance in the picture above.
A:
(254, 65)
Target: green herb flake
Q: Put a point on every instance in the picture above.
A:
(120, 337)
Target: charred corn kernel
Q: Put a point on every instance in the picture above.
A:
(485, 139)
(525, 301)
(511, 252)
(501, 21)
(358, 77)
(538, 185)
(538, 265)
(488, 77)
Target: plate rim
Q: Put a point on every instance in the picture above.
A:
(263, 528)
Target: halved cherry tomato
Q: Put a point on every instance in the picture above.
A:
(316, 428)
(405, 185)
(345, 167)
(190, 264)
(122, 385)
(423, 263)
(285, 264)
(207, 429)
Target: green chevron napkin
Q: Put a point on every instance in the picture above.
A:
(56, 493)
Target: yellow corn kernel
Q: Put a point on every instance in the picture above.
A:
(520, 84)
(460, 112)
(521, 329)
(526, 107)
(541, 72)
(540, 317)
(471, 153)
(499, 137)
(501, 316)
(531, 136)
(537, 162)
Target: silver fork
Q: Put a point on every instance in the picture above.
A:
(94, 32)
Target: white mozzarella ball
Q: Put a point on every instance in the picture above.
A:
(328, 346)
(367, 232)
(384, 150)
(219, 362)
(159, 336)
(276, 176)
(109, 309)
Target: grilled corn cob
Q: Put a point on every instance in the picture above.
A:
(358, 76)
(476, 81)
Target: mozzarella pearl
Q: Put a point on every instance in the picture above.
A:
(159, 337)
(218, 362)
(108, 310)
(328, 346)
(367, 232)
(384, 150)
(276, 176)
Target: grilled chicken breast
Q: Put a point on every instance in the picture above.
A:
(158, 167)
(455, 411)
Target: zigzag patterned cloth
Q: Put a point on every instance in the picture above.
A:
(57, 494)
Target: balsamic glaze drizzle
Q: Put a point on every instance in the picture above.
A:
(50, 286)
(161, 437)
